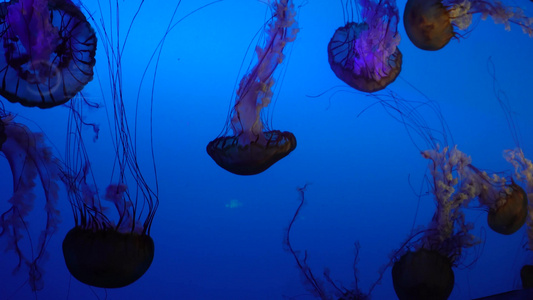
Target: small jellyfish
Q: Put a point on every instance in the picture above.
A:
(430, 24)
(29, 158)
(47, 54)
(365, 55)
(506, 202)
(253, 148)
(425, 270)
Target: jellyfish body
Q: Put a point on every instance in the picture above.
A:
(100, 251)
(48, 52)
(103, 254)
(524, 173)
(431, 24)
(252, 148)
(422, 275)
(427, 24)
(127, 256)
(506, 202)
(511, 215)
(29, 158)
(365, 55)
(109, 248)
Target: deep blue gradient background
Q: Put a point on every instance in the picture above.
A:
(359, 168)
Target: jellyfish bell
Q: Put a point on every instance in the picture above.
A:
(365, 55)
(253, 157)
(48, 52)
(427, 24)
(423, 274)
(512, 214)
(107, 258)
(253, 148)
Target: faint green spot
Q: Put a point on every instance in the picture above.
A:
(233, 204)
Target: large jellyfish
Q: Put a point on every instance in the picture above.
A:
(109, 248)
(103, 252)
(430, 24)
(365, 55)
(253, 148)
(47, 54)
(425, 270)
(29, 159)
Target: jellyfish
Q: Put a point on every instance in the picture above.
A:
(431, 24)
(424, 269)
(99, 251)
(29, 158)
(106, 248)
(253, 147)
(506, 202)
(48, 52)
(110, 244)
(365, 55)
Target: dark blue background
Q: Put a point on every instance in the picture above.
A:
(359, 168)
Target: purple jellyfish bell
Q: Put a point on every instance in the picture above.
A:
(252, 149)
(365, 55)
(29, 158)
(48, 51)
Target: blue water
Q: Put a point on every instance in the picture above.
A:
(364, 172)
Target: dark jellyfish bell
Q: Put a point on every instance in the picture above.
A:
(423, 275)
(252, 158)
(427, 24)
(512, 215)
(341, 56)
(107, 258)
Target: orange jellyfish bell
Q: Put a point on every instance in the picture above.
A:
(511, 216)
(422, 275)
(107, 258)
(430, 24)
(254, 157)
(427, 24)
